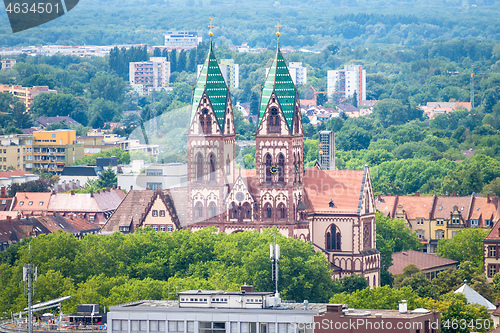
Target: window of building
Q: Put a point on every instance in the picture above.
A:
(30, 203)
(155, 212)
(281, 168)
(155, 227)
(199, 167)
(199, 210)
(21, 203)
(153, 186)
(282, 211)
(487, 223)
(212, 167)
(274, 121)
(420, 221)
(53, 136)
(162, 213)
(421, 234)
(269, 162)
(154, 172)
(170, 228)
(439, 222)
(162, 228)
(492, 270)
(233, 212)
(333, 238)
(211, 210)
(268, 211)
(493, 251)
(213, 327)
(474, 223)
(439, 234)
(247, 210)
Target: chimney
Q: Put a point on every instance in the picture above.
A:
(72, 192)
(9, 218)
(2, 191)
(453, 194)
(247, 289)
(417, 194)
(334, 308)
(91, 193)
(488, 200)
(403, 306)
(379, 197)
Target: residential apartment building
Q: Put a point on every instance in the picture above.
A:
(135, 145)
(53, 150)
(346, 82)
(182, 39)
(146, 76)
(155, 177)
(491, 253)
(298, 73)
(433, 109)
(326, 157)
(8, 63)
(434, 218)
(26, 94)
(13, 151)
(231, 72)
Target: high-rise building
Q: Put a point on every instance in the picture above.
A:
(182, 39)
(8, 63)
(346, 82)
(146, 76)
(327, 150)
(53, 150)
(26, 94)
(231, 72)
(298, 73)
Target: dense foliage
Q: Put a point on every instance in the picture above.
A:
(154, 265)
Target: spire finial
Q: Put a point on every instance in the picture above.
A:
(278, 26)
(210, 33)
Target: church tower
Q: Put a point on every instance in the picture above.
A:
(279, 146)
(210, 144)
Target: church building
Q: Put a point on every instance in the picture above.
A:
(334, 210)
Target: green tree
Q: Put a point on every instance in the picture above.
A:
(467, 244)
(353, 283)
(107, 178)
(39, 185)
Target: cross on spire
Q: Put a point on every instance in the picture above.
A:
(210, 33)
(278, 26)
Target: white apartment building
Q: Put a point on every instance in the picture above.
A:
(182, 39)
(146, 76)
(230, 71)
(298, 73)
(347, 81)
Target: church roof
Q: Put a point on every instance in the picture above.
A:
(212, 82)
(342, 187)
(280, 82)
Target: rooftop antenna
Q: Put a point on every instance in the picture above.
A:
(274, 254)
(29, 276)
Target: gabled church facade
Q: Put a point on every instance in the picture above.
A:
(334, 210)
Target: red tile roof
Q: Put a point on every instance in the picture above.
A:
(444, 207)
(494, 233)
(423, 261)
(35, 198)
(484, 208)
(385, 204)
(13, 173)
(416, 207)
(343, 187)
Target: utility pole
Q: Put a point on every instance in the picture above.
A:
(29, 277)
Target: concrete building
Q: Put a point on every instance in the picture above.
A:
(53, 150)
(231, 72)
(8, 63)
(156, 177)
(298, 73)
(26, 94)
(13, 151)
(248, 311)
(8, 178)
(326, 157)
(182, 39)
(347, 81)
(146, 76)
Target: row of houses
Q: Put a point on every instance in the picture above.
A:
(95, 207)
(13, 230)
(437, 217)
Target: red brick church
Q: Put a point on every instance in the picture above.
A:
(334, 210)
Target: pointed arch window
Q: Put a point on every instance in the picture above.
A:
(274, 121)
(228, 166)
(281, 168)
(212, 167)
(282, 211)
(198, 209)
(247, 211)
(233, 213)
(268, 211)
(333, 238)
(199, 167)
(211, 210)
(205, 122)
(269, 162)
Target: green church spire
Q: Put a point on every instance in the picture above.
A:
(212, 83)
(280, 82)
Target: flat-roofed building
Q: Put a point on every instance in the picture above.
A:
(8, 63)
(182, 39)
(146, 76)
(26, 94)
